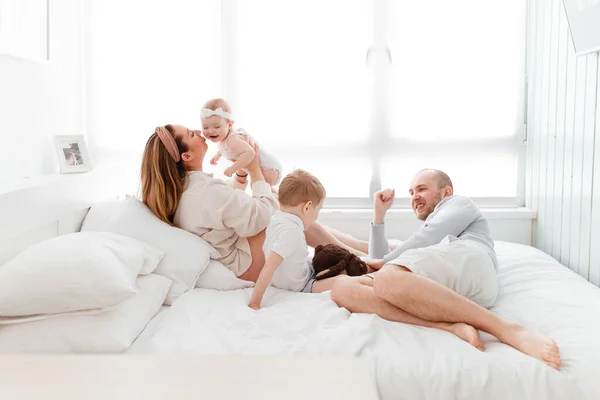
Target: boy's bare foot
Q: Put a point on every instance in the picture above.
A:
(466, 333)
(533, 344)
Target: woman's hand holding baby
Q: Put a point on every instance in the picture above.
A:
(248, 139)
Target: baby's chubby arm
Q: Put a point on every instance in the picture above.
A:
(216, 158)
(272, 263)
(245, 153)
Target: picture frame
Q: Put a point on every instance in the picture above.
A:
(73, 156)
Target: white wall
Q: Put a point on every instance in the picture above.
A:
(563, 149)
(39, 100)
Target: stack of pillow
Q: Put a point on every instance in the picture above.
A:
(94, 291)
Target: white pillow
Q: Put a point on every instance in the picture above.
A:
(100, 213)
(78, 271)
(219, 277)
(186, 255)
(108, 332)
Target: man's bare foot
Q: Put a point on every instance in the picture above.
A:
(533, 344)
(466, 333)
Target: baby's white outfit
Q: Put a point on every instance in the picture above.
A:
(267, 161)
(285, 236)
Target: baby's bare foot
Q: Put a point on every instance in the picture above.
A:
(467, 333)
(534, 344)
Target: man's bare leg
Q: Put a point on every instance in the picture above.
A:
(349, 240)
(431, 301)
(357, 295)
(324, 285)
(317, 234)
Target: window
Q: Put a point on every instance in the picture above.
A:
(361, 93)
(364, 94)
(149, 63)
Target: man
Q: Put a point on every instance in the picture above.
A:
(443, 276)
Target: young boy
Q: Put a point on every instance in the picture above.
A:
(301, 197)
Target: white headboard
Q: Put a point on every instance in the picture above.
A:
(57, 204)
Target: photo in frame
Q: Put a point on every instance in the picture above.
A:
(72, 154)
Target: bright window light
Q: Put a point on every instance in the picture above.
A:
(305, 90)
(302, 74)
(150, 63)
(457, 68)
(472, 175)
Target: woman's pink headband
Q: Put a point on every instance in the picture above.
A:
(169, 142)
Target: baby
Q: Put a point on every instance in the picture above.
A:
(287, 267)
(217, 126)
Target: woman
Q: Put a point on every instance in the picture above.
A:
(177, 190)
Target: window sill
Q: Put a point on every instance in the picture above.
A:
(520, 213)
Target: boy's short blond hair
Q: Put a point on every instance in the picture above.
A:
(213, 104)
(299, 187)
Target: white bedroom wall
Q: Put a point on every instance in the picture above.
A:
(563, 149)
(39, 100)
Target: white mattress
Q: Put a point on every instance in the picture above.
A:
(409, 362)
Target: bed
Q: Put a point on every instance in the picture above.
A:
(407, 361)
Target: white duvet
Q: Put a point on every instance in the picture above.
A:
(409, 362)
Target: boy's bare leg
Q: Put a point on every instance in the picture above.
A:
(357, 295)
(316, 234)
(431, 301)
(349, 240)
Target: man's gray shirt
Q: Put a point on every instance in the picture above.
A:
(454, 215)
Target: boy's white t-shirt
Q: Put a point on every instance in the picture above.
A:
(285, 236)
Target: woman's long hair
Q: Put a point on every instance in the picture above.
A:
(163, 179)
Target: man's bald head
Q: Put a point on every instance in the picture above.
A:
(441, 178)
(428, 188)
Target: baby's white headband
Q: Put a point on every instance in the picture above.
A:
(207, 113)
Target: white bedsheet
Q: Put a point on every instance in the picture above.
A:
(409, 362)
(150, 329)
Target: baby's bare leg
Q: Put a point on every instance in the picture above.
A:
(271, 176)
